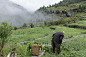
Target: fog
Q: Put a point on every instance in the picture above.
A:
(17, 15)
(13, 13)
(33, 5)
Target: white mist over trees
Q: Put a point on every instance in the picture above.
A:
(13, 13)
(17, 15)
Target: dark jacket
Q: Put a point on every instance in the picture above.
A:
(58, 37)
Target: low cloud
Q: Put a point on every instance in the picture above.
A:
(33, 5)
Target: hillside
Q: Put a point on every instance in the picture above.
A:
(75, 8)
(74, 26)
(66, 6)
(13, 13)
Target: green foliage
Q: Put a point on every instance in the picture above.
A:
(65, 24)
(28, 48)
(47, 48)
(74, 48)
(41, 25)
(83, 32)
(15, 28)
(46, 34)
(31, 25)
(24, 25)
(63, 21)
(33, 32)
(27, 34)
(79, 24)
(5, 31)
(81, 8)
(73, 1)
(69, 32)
(45, 23)
(51, 22)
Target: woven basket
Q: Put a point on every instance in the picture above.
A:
(35, 49)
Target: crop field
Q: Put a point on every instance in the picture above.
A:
(27, 34)
(34, 33)
(81, 16)
(73, 26)
(74, 48)
(38, 32)
(79, 23)
(69, 32)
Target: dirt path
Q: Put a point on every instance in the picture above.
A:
(32, 40)
(69, 39)
(64, 40)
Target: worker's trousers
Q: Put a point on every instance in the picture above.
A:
(55, 44)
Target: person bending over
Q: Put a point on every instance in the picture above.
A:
(57, 41)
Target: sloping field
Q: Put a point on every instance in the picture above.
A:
(69, 32)
(28, 34)
(79, 23)
(74, 48)
(35, 33)
(38, 32)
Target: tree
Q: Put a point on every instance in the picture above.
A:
(5, 31)
(24, 25)
(80, 7)
(45, 23)
(31, 25)
(49, 5)
(15, 28)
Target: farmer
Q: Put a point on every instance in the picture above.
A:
(57, 41)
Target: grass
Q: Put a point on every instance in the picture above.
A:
(79, 23)
(74, 48)
(20, 50)
(69, 32)
(67, 8)
(28, 34)
(34, 33)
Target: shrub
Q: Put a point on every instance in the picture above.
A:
(15, 28)
(5, 31)
(65, 24)
(31, 25)
(45, 23)
(24, 25)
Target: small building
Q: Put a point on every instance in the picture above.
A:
(68, 14)
(54, 11)
(64, 12)
(57, 12)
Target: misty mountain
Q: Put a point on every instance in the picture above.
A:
(13, 13)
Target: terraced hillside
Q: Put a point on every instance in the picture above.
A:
(43, 34)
